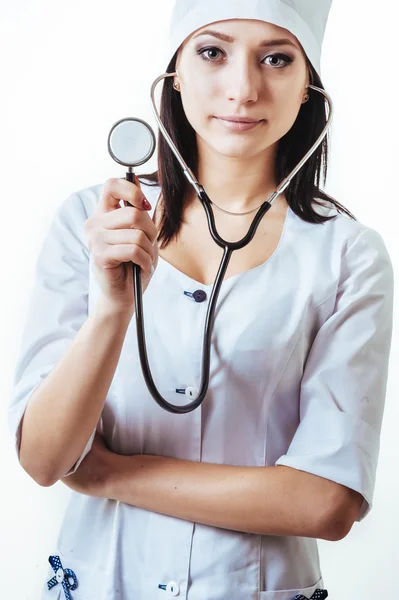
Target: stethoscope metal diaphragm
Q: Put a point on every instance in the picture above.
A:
(131, 142)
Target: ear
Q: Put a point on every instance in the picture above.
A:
(175, 81)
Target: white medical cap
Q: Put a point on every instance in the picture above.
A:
(306, 19)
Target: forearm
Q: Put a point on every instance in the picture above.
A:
(65, 409)
(274, 500)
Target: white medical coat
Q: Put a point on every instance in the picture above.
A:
(298, 374)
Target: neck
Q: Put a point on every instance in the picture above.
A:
(237, 184)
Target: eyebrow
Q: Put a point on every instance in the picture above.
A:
(229, 38)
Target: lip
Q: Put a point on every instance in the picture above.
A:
(240, 119)
(235, 124)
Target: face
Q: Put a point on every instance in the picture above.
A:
(241, 78)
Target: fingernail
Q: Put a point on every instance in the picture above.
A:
(152, 271)
(146, 204)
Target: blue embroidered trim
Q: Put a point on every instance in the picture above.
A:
(318, 595)
(61, 576)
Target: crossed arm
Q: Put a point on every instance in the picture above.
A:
(276, 500)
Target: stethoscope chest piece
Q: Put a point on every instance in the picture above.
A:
(131, 142)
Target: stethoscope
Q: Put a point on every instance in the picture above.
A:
(131, 142)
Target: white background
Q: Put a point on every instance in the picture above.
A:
(69, 71)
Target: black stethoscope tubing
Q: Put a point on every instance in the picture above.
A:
(228, 247)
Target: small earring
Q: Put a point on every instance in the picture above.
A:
(176, 87)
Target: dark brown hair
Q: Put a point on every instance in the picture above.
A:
(301, 192)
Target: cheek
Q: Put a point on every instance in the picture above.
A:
(192, 110)
(198, 105)
(285, 111)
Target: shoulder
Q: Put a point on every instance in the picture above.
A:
(79, 205)
(341, 235)
(339, 252)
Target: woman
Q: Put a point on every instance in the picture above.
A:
(226, 501)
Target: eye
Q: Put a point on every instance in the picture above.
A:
(280, 56)
(208, 49)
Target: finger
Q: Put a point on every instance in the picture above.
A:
(127, 217)
(119, 253)
(114, 190)
(130, 236)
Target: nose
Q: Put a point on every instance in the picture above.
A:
(242, 81)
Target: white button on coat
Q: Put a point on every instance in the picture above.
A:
(192, 392)
(173, 588)
(298, 343)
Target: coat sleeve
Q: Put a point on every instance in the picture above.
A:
(57, 309)
(343, 387)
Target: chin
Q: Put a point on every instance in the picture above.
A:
(240, 148)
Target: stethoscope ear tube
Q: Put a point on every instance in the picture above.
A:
(228, 247)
